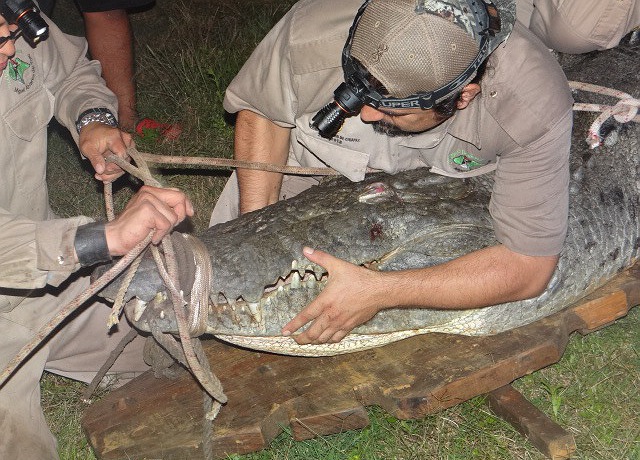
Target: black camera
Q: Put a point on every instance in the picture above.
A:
(26, 15)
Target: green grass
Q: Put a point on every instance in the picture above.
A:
(187, 54)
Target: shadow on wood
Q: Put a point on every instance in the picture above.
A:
(161, 418)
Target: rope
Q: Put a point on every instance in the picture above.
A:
(113, 356)
(623, 111)
(169, 275)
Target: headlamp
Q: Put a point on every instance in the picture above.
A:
(356, 91)
(26, 15)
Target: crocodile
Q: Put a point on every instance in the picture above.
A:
(259, 278)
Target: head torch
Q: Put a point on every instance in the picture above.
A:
(357, 91)
(26, 15)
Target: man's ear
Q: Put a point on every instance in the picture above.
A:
(468, 93)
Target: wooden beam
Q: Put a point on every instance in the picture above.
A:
(160, 418)
(546, 435)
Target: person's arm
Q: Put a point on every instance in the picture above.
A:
(354, 294)
(36, 253)
(79, 92)
(110, 37)
(529, 208)
(258, 139)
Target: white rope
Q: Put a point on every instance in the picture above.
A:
(623, 111)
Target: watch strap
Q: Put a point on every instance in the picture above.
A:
(96, 115)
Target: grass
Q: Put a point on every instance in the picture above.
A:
(187, 54)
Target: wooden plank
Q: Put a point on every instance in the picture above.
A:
(161, 418)
(548, 437)
(610, 302)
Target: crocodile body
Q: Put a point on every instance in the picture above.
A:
(416, 219)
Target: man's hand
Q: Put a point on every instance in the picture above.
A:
(149, 209)
(348, 300)
(97, 141)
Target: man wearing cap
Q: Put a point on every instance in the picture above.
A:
(39, 252)
(424, 98)
(579, 26)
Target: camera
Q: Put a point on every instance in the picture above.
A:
(26, 15)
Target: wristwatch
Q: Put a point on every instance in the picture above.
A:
(99, 115)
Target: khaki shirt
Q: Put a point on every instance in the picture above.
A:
(579, 26)
(54, 79)
(519, 126)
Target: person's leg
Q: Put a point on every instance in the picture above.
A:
(77, 350)
(24, 430)
(110, 39)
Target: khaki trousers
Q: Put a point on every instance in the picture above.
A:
(76, 350)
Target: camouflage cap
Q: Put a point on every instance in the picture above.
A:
(419, 46)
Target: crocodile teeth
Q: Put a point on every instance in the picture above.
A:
(295, 280)
(255, 310)
(311, 282)
(138, 309)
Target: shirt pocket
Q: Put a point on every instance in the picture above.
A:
(9, 302)
(30, 115)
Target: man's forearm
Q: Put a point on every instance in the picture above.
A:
(258, 139)
(486, 277)
(354, 294)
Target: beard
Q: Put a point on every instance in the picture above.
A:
(388, 129)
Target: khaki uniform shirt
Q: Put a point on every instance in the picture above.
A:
(579, 26)
(54, 79)
(519, 126)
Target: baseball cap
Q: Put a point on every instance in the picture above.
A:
(427, 46)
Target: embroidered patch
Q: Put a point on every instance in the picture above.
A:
(21, 71)
(17, 68)
(464, 161)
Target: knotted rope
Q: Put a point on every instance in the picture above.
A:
(197, 313)
(623, 111)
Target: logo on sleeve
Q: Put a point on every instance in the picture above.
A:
(464, 161)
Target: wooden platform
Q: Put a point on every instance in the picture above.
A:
(160, 418)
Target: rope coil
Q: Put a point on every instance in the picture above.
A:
(623, 111)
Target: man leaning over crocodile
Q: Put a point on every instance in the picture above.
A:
(458, 86)
(39, 253)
